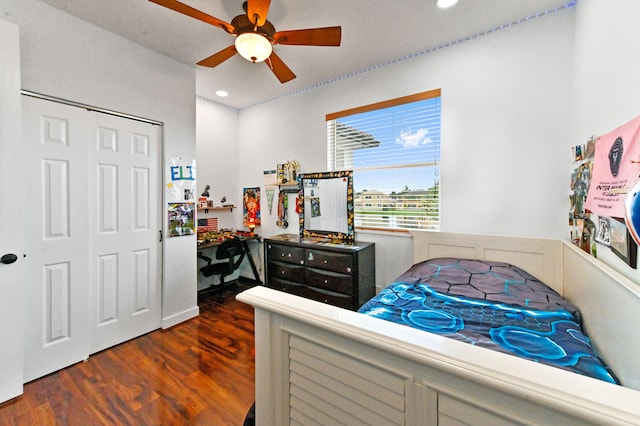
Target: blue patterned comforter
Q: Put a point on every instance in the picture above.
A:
(493, 305)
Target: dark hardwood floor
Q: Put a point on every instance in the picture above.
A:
(200, 372)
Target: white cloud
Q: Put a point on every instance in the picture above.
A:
(409, 139)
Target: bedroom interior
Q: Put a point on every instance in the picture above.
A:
(521, 94)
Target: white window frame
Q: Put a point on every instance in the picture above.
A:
(426, 207)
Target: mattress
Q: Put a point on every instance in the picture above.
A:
(493, 305)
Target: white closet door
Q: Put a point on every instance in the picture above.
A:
(93, 187)
(57, 286)
(11, 221)
(124, 198)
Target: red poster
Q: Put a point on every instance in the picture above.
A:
(616, 168)
(251, 207)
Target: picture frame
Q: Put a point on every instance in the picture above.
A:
(251, 207)
(621, 242)
(181, 219)
(603, 234)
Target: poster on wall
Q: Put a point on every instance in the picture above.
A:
(181, 220)
(181, 180)
(616, 168)
(621, 243)
(251, 207)
(582, 228)
(605, 174)
(270, 186)
(181, 196)
(603, 236)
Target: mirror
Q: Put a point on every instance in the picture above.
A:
(326, 205)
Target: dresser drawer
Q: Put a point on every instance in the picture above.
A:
(284, 253)
(328, 280)
(324, 296)
(288, 287)
(336, 262)
(286, 271)
(340, 274)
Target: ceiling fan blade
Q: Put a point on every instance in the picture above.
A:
(329, 36)
(279, 68)
(218, 58)
(259, 8)
(194, 13)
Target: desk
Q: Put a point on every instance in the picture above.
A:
(245, 246)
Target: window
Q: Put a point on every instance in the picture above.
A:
(393, 148)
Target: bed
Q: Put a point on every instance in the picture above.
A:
(318, 364)
(493, 305)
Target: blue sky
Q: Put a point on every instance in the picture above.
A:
(408, 134)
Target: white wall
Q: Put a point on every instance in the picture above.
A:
(68, 58)
(218, 157)
(505, 102)
(605, 81)
(513, 104)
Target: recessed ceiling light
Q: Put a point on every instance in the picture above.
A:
(222, 93)
(446, 3)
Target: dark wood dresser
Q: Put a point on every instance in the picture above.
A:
(340, 274)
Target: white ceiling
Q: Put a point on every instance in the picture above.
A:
(373, 32)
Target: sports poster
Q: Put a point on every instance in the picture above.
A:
(616, 168)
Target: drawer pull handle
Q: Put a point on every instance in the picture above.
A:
(325, 262)
(348, 269)
(326, 281)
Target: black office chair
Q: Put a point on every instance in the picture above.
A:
(232, 252)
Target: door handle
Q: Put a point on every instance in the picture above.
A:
(8, 258)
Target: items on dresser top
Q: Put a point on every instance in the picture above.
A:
(331, 271)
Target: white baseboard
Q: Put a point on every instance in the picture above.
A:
(180, 317)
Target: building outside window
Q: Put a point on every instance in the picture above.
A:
(393, 147)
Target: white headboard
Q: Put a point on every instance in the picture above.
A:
(542, 258)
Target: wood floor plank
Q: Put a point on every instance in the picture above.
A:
(200, 372)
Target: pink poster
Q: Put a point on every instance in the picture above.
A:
(616, 168)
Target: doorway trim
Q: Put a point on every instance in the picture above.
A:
(89, 107)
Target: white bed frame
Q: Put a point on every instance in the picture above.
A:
(318, 364)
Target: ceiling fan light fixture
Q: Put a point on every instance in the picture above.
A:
(253, 47)
(446, 3)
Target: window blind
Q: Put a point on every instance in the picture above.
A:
(393, 147)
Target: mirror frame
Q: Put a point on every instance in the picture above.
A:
(349, 235)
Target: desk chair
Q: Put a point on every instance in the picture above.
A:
(231, 253)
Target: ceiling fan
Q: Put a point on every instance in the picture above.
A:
(255, 36)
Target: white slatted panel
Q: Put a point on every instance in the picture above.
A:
(334, 388)
(454, 412)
